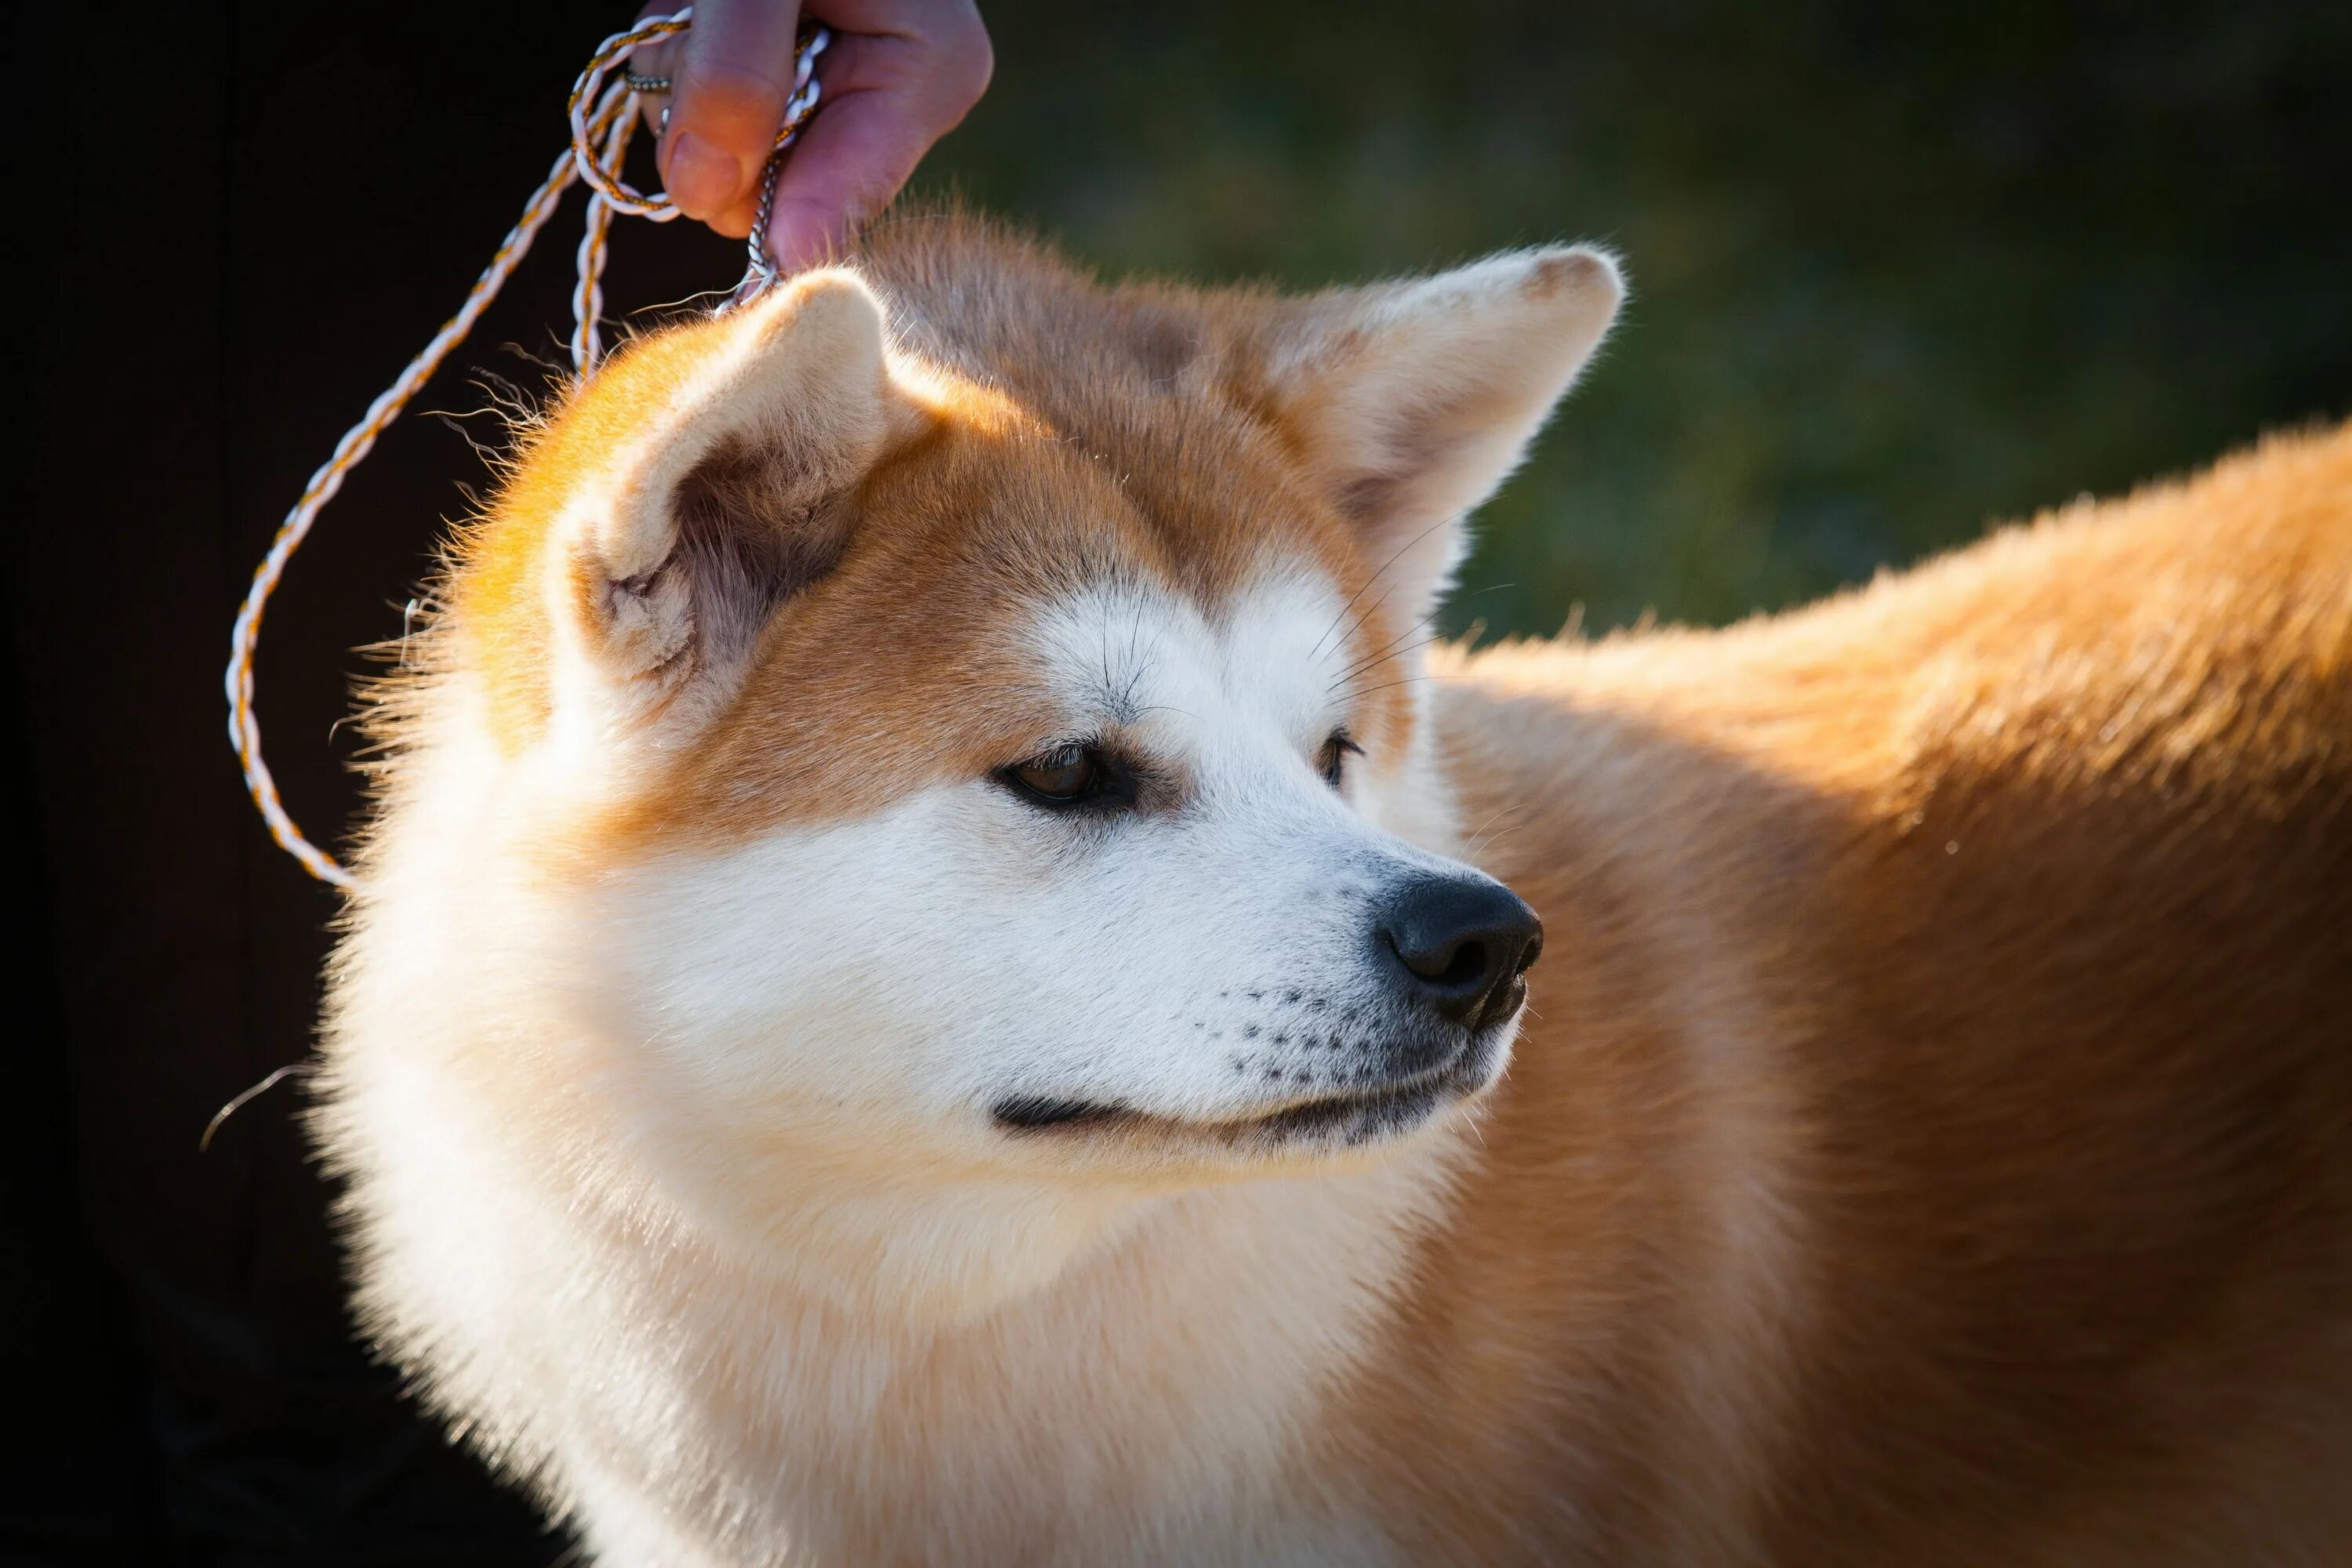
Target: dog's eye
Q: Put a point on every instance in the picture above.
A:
(1336, 752)
(1065, 776)
(1075, 775)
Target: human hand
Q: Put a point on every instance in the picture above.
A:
(899, 75)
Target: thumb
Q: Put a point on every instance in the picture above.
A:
(726, 106)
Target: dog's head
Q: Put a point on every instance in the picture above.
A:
(973, 716)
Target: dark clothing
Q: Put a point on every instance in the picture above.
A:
(260, 219)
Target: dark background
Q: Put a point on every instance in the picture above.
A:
(1897, 271)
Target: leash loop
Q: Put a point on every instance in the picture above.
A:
(603, 118)
(604, 176)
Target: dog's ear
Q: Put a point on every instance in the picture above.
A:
(1412, 402)
(721, 468)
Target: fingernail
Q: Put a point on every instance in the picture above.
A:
(703, 178)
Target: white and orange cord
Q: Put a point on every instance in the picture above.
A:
(600, 140)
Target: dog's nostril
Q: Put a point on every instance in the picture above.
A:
(1469, 963)
(1530, 953)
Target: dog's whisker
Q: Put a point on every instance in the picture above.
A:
(1383, 572)
(292, 1070)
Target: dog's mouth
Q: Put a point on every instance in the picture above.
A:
(1346, 1117)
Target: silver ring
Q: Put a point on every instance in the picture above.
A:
(646, 83)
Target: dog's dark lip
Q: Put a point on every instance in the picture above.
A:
(1034, 1113)
(1408, 1098)
(1059, 1116)
(1409, 1102)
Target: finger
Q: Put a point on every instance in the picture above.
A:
(732, 82)
(887, 100)
(846, 166)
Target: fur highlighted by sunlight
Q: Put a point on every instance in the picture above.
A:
(945, 976)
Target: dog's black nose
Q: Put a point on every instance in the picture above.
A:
(1461, 944)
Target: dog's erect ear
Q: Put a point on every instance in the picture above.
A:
(735, 450)
(1412, 402)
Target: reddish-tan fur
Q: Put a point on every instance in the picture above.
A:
(2020, 889)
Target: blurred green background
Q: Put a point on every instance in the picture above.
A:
(1898, 271)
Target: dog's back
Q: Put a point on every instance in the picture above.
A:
(1933, 1132)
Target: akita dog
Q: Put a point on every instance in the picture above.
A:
(943, 977)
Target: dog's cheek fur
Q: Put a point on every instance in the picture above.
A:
(856, 995)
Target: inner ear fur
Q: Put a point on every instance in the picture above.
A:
(736, 487)
(1410, 402)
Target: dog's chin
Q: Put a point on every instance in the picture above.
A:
(1357, 1118)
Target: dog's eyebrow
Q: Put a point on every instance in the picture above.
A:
(1126, 659)
(1118, 705)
